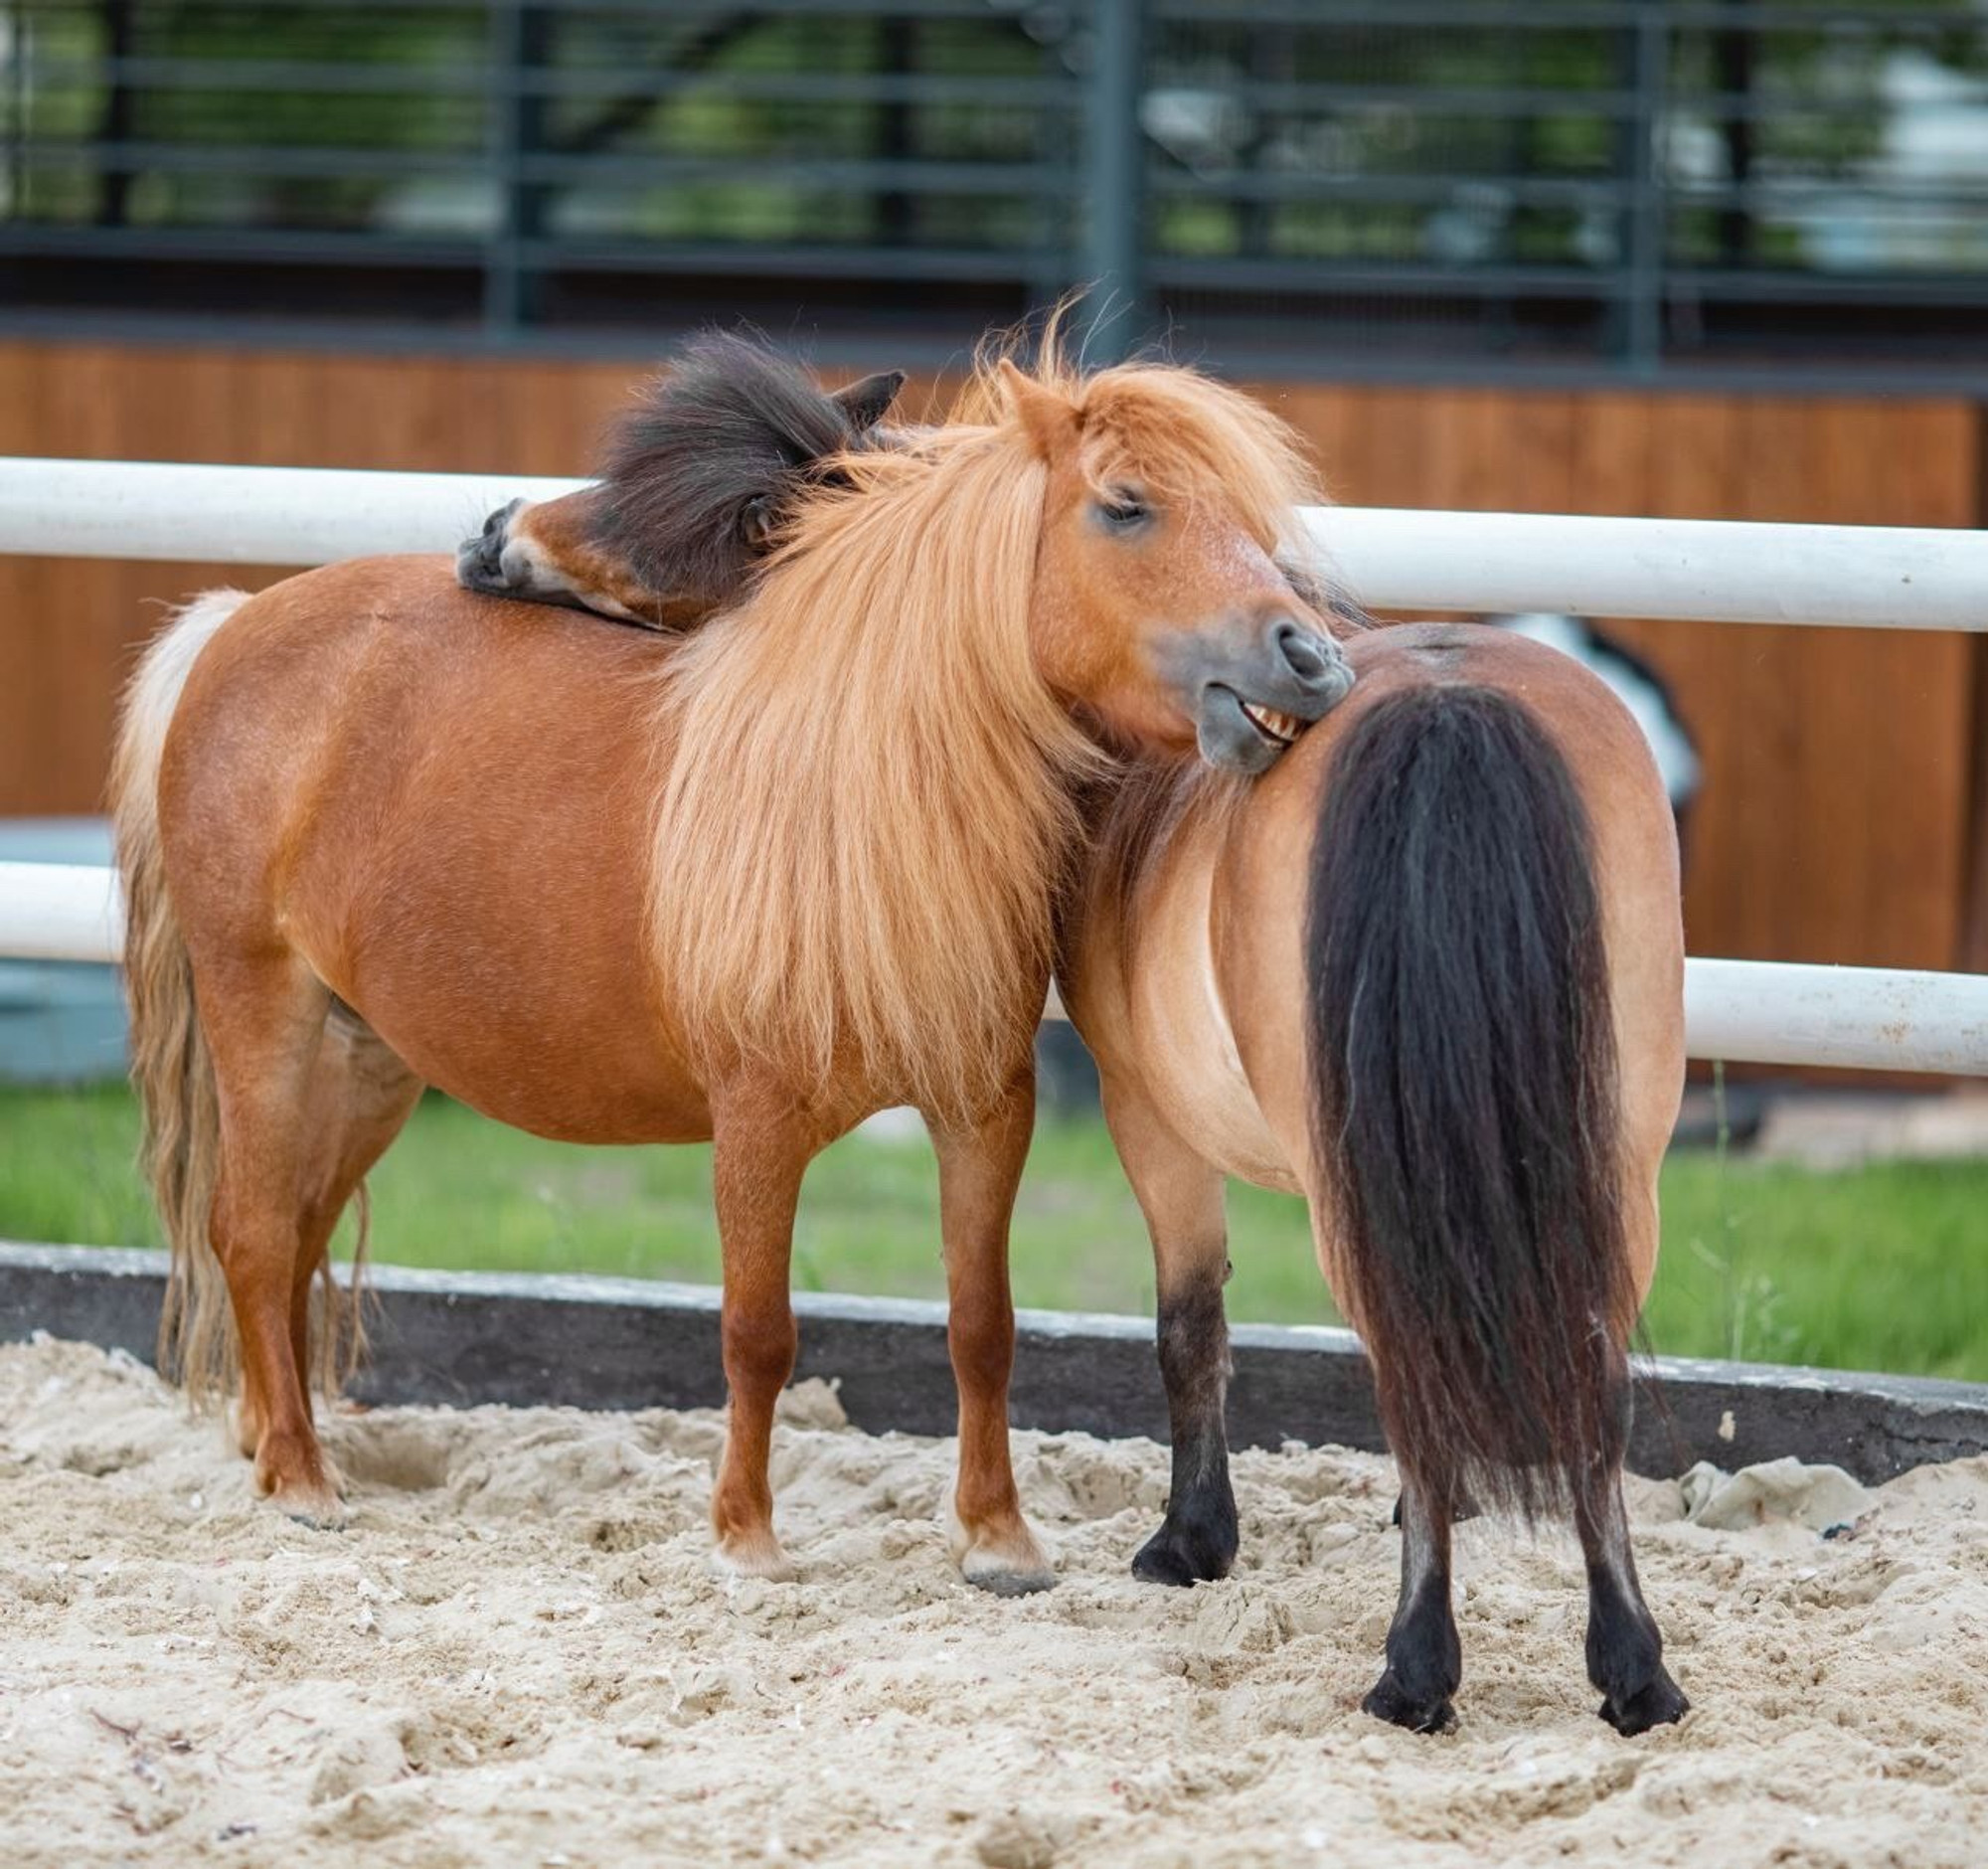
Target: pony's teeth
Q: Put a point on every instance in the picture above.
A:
(1281, 726)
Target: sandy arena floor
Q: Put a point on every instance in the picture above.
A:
(517, 1655)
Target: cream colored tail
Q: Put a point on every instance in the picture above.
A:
(180, 1152)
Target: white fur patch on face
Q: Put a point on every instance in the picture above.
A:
(526, 571)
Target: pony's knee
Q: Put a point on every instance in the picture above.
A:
(759, 1345)
(980, 1336)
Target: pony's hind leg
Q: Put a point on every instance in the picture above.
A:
(1625, 1653)
(1425, 1657)
(359, 1098)
(265, 1023)
(979, 1169)
(1181, 1197)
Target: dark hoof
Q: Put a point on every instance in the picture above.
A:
(1660, 1703)
(1178, 1557)
(1419, 1712)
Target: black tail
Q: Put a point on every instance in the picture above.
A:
(692, 474)
(1465, 1104)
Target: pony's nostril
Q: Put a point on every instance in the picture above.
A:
(1302, 653)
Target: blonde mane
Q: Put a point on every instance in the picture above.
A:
(869, 815)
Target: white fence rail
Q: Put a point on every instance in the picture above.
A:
(1741, 1011)
(1866, 576)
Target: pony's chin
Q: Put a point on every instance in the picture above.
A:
(1237, 735)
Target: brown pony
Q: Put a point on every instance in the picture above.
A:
(749, 885)
(1427, 973)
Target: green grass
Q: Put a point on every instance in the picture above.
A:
(1878, 1267)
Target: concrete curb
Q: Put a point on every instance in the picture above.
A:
(462, 1339)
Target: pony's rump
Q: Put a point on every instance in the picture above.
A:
(1465, 1101)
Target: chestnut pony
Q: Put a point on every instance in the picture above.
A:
(1429, 973)
(749, 885)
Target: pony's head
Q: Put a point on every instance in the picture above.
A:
(1160, 615)
(692, 490)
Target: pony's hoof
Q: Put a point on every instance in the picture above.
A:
(1177, 1555)
(1003, 1576)
(1418, 1713)
(320, 1507)
(1660, 1703)
(294, 1473)
(760, 1557)
(1010, 1565)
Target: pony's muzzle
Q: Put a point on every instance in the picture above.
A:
(479, 562)
(1255, 700)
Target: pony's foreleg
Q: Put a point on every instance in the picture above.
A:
(762, 1147)
(1425, 1657)
(1180, 1196)
(979, 1169)
(1625, 1653)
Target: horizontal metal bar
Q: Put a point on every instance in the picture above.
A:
(1738, 1011)
(266, 246)
(61, 911)
(1570, 191)
(356, 15)
(243, 515)
(810, 169)
(320, 163)
(1829, 289)
(817, 261)
(1561, 16)
(1715, 571)
(1857, 1018)
(1231, 272)
(576, 254)
(1299, 95)
(1394, 558)
(428, 78)
(298, 162)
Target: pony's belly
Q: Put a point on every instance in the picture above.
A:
(571, 1079)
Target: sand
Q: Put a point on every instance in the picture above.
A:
(518, 1653)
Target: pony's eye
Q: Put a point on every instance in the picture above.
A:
(1122, 510)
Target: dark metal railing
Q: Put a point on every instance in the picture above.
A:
(1610, 188)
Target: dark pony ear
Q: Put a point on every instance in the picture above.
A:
(864, 403)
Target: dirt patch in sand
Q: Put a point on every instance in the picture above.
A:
(517, 1653)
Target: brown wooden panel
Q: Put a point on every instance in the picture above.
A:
(1838, 821)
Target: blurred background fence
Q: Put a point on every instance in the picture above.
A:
(1573, 189)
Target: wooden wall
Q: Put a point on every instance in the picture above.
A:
(1840, 819)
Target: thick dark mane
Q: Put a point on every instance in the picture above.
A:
(691, 474)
